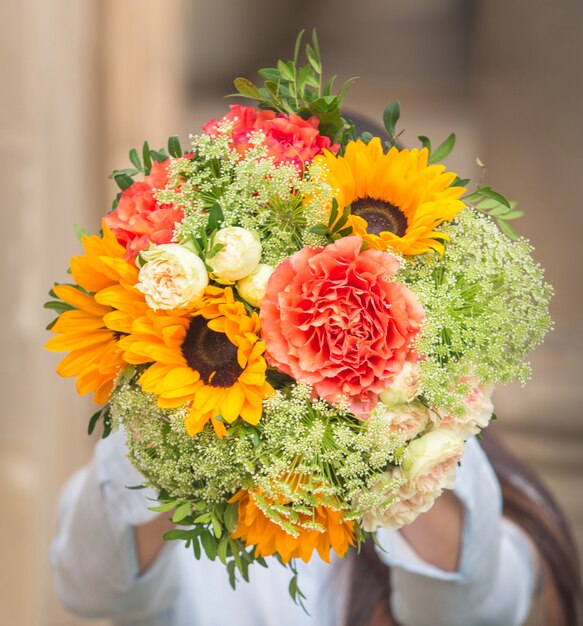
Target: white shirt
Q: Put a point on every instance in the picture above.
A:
(96, 567)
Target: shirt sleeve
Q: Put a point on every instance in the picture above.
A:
(93, 553)
(493, 585)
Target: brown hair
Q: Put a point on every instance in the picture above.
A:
(529, 504)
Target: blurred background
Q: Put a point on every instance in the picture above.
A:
(83, 82)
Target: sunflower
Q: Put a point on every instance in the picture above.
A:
(89, 331)
(396, 199)
(210, 359)
(268, 537)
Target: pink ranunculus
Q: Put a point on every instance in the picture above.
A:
(139, 220)
(288, 138)
(331, 318)
(479, 409)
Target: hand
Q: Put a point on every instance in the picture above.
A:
(436, 535)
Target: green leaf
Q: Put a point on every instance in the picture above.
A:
(391, 116)
(319, 229)
(147, 158)
(460, 182)
(232, 576)
(443, 150)
(316, 44)
(135, 159)
(129, 372)
(173, 535)
(231, 516)
(345, 231)
(425, 142)
(216, 216)
(182, 511)
(196, 548)
(80, 232)
(305, 74)
(490, 193)
(298, 45)
(508, 230)
(286, 69)
(246, 88)
(314, 60)
(269, 73)
(164, 508)
(329, 85)
(123, 181)
(209, 544)
(159, 155)
(513, 215)
(217, 526)
(222, 549)
(345, 89)
(174, 148)
(93, 421)
(58, 306)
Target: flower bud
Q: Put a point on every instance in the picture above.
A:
(252, 288)
(404, 386)
(172, 277)
(430, 462)
(238, 257)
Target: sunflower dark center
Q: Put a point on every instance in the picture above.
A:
(380, 216)
(211, 354)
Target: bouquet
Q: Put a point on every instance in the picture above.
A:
(297, 325)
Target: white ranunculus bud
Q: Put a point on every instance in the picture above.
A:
(238, 257)
(430, 462)
(252, 287)
(172, 277)
(404, 386)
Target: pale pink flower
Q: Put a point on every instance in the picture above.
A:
(479, 409)
(408, 420)
(407, 504)
(430, 462)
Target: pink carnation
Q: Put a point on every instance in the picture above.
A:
(139, 220)
(288, 138)
(331, 318)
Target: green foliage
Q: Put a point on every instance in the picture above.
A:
(336, 226)
(294, 88)
(124, 178)
(495, 205)
(441, 152)
(391, 116)
(103, 414)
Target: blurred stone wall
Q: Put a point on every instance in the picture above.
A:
(84, 82)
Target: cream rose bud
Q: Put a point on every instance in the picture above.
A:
(409, 419)
(172, 277)
(430, 462)
(404, 386)
(252, 288)
(238, 257)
